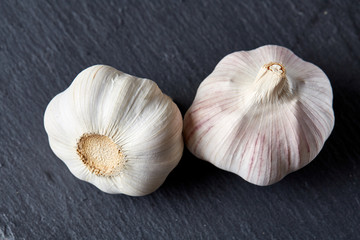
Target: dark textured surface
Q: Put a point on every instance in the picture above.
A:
(44, 45)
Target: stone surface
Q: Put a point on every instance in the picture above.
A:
(44, 45)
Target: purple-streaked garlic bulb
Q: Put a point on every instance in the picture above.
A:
(261, 114)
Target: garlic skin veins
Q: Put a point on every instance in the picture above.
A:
(261, 114)
(116, 131)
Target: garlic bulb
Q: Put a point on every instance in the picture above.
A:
(116, 131)
(260, 114)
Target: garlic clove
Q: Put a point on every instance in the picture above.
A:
(116, 131)
(260, 114)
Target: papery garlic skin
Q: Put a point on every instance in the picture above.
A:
(260, 114)
(116, 131)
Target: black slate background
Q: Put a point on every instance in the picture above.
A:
(44, 45)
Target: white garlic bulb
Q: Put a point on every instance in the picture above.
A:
(260, 114)
(116, 131)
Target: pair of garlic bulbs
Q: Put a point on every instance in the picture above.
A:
(260, 114)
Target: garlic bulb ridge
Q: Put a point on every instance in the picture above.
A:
(116, 131)
(260, 114)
